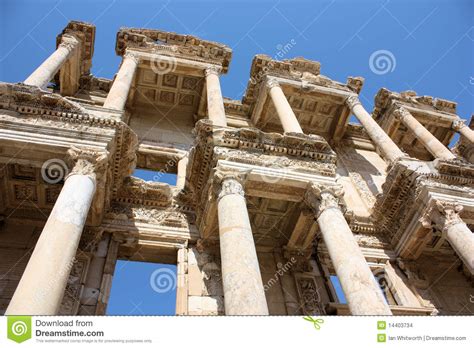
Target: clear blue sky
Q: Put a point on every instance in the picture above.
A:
(430, 42)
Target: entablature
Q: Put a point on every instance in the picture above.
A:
(435, 114)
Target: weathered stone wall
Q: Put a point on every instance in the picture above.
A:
(16, 245)
(205, 293)
(442, 284)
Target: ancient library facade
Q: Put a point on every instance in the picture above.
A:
(276, 194)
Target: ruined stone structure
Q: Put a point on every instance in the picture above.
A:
(275, 193)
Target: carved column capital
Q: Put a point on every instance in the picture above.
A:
(319, 198)
(86, 161)
(69, 42)
(457, 125)
(213, 70)
(229, 182)
(132, 55)
(401, 113)
(272, 82)
(442, 215)
(352, 101)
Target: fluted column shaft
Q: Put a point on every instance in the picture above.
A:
(283, 108)
(389, 150)
(46, 71)
(431, 143)
(118, 94)
(241, 278)
(445, 217)
(215, 102)
(464, 130)
(363, 295)
(42, 284)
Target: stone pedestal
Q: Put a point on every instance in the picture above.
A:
(431, 143)
(42, 284)
(241, 278)
(464, 130)
(46, 71)
(120, 89)
(445, 217)
(284, 111)
(364, 297)
(387, 147)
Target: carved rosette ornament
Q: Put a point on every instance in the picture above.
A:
(320, 198)
(87, 162)
(442, 215)
(352, 101)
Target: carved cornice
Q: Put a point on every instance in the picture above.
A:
(405, 182)
(253, 146)
(148, 193)
(32, 105)
(172, 44)
(299, 69)
(386, 98)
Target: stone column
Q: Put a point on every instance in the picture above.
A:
(431, 143)
(46, 71)
(120, 89)
(460, 127)
(215, 102)
(444, 216)
(363, 295)
(283, 108)
(181, 174)
(241, 278)
(42, 284)
(389, 150)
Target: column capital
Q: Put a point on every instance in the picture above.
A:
(319, 198)
(229, 182)
(442, 214)
(213, 70)
(86, 161)
(457, 125)
(272, 82)
(131, 55)
(352, 101)
(69, 42)
(401, 113)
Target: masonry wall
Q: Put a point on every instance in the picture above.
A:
(16, 245)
